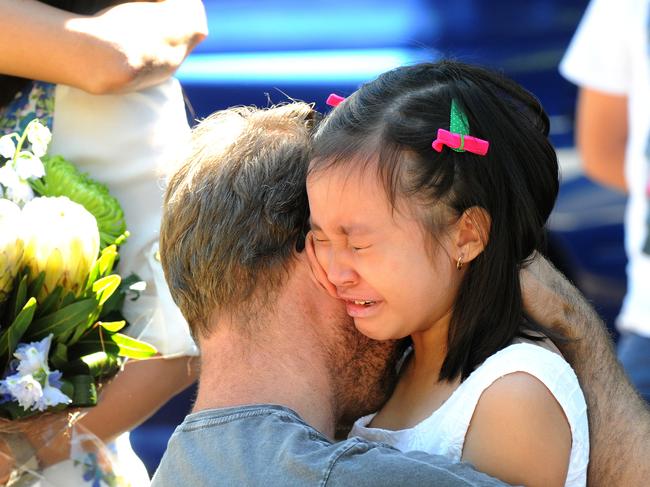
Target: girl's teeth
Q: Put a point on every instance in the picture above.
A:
(363, 303)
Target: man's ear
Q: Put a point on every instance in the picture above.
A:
(472, 233)
(317, 271)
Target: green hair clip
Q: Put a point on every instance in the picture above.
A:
(457, 137)
(458, 124)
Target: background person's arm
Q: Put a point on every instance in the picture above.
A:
(124, 48)
(602, 131)
(135, 394)
(619, 420)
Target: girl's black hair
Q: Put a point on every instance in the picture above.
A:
(395, 118)
(11, 85)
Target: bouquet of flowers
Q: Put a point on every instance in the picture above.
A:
(60, 299)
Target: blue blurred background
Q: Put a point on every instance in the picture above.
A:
(260, 53)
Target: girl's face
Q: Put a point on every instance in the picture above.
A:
(376, 258)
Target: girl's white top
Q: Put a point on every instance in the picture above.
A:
(443, 432)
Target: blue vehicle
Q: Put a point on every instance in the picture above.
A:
(260, 53)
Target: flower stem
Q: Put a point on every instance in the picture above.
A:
(21, 141)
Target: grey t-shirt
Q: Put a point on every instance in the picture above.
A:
(269, 445)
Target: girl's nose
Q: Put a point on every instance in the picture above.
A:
(339, 272)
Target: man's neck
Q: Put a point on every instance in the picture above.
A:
(281, 364)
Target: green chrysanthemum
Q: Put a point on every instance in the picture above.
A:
(63, 179)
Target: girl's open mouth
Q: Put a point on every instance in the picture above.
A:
(361, 308)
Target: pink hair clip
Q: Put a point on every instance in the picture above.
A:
(460, 142)
(334, 100)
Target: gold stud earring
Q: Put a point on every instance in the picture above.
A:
(459, 263)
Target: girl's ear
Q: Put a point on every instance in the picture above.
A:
(318, 273)
(472, 233)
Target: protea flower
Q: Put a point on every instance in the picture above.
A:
(61, 238)
(62, 178)
(11, 246)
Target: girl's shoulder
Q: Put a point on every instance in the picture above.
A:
(539, 361)
(526, 394)
(520, 369)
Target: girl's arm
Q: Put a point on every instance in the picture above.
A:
(519, 433)
(123, 48)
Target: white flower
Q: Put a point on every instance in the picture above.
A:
(31, 385)
(28, 166)
(39, 136)
(32, 357)
(51, 397)
(62, 239)
(16, 189)
(24, 389)
(8, 177)
(7, 146)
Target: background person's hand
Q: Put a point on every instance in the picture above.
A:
(155, 37)
(22, 440)
(125, 48)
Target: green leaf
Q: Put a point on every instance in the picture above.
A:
(107, 259)
(88, 345)
(36, 285)
(133, 348)
(85, 392)
(102, 364)
(112, 326)
(98, 364)
(20, 296)
(15, 411)
(102, 266)
(12, 335)
(59, 356)
(99, 340)
(113, 306)
(49, 303)
(93, 275)
(68, 299)
(68, 318)
(105, 287)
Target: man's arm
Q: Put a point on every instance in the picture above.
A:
(619, 420)
(123, 48)
(602, 131)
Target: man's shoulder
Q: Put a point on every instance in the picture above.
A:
(361, 462)
(271, 445)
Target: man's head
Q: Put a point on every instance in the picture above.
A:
(231, 240)
(235, 211)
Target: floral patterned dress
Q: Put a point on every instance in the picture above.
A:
(36, 100)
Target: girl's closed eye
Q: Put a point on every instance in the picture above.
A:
(319, 239)
(357, 248)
